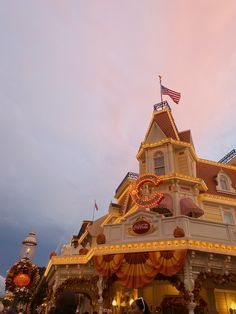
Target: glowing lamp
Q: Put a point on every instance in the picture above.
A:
(233, 306)
(28, 246)
(21, 280)
(114, 303)
(131, 301)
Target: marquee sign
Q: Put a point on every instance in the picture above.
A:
(144, 191)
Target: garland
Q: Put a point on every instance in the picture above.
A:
(24, 266)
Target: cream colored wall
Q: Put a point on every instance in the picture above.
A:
(154, 294)
(212, 212)
(181, 162)
(155, 134)
(224, 300)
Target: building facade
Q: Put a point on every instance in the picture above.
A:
(170, 237)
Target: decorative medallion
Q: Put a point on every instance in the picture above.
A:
(141, 226)
(144, 191)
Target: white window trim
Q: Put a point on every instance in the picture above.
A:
(219, 188)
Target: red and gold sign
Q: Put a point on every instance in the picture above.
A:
(141, 226)
(21, 280)
(144, 191)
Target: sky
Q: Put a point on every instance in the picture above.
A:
(78, 81)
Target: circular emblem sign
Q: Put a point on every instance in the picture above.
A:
(141, 226)
(144, 191)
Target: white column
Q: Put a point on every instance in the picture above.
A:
(191, 306)
(189, 284)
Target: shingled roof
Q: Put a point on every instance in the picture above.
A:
(166, 122)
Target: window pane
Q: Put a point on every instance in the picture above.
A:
(160, 171)
(224, 183)
(228, 218)
(159, 161)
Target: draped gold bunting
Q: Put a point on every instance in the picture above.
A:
(135, 270)
(107, 265)
(168, 263)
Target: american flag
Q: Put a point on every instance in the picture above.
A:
(175, 96)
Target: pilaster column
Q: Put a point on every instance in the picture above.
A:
(191, 306)
(100, 290)
(188, 275)
(189, 285)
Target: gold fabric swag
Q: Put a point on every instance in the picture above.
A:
(135, 270)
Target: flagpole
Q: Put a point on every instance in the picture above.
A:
(94, 210)
(160, 88)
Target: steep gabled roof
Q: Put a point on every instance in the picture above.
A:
(186, 136)
(165, 122)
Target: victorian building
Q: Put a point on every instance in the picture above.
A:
(170, 237)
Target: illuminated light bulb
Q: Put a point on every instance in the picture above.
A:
(114, 303)
(233, 306)
(131, 301)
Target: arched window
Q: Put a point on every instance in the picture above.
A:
(159, 164)
(224, 184)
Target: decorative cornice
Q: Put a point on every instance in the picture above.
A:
(184, 144)
(217, 198)
(218, 164)
(209, 247)
(182, 177)
(164, 141)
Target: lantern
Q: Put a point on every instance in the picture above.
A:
(28, 246)
(21, 280)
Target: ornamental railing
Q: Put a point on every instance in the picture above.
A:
(130, 175)
(162, 105)
(228, 157)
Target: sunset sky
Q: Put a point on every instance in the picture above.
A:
(78, 81)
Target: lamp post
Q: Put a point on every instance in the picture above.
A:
(28, 247)
(22, 277)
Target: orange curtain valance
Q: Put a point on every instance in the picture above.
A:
(135, 270)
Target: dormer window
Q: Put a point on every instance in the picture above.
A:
(159, 164)
(224, 184)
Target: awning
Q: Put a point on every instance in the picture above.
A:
(165, 207)
(189, 208)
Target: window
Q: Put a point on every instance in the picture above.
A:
(228, 217)
(224, 183)
(159, 165)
